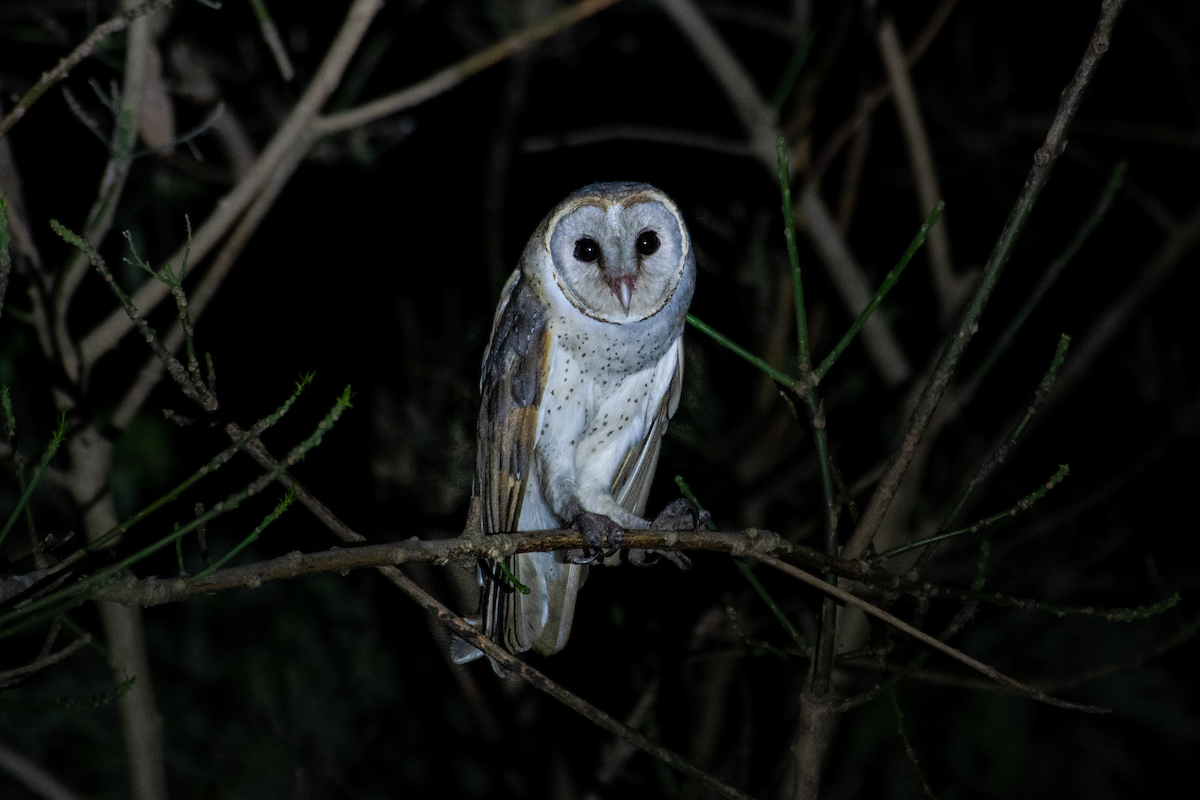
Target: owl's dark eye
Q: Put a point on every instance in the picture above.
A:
(647, 243)
(587, 250)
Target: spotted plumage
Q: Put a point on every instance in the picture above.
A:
(582, 373)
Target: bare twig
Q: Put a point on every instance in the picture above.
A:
(204, 292)
(302, 125)
(1044, 160)
(1048, 279)
(758, 120)
(465, 548)
(951, 289)
(44, 660)
(634, 132)
(446, 79)
(921, 636)
(852, 178)
(461, 628)
(1150, 278)
(69, 61)
(851, 283)
(871, 99)
(36, 779)
(270, 34)
(127, 112)
(756, 116)
(291, 134)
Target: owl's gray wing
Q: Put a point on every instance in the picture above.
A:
(631, 482)
(515, 369)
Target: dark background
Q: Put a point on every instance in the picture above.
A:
(376, 269)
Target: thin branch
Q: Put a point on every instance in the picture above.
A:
(949, 287)
(469, 547)
(45, 660)
(151, 373)
(1044, 160)
(1150, 278)
(293, 133)
(446, 79)
(851, 284)
(924, 638)
(127, 111)
(1115, 180)
(461, 628)
(270, 34)
(1040, 395)
(68, 62)
(5, 257)
(780, 377)
(871, 99)
(889, 281)
(758, 120)
(1024, 504)
(634, 132)
(909, 751)
(195, 391)
(36, 779)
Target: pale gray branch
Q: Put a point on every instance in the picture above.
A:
(293, 131)
(35, 779)
(758, 120)
(951, 289)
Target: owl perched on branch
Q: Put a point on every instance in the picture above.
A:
(583, 370)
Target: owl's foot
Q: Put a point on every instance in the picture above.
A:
(596, 530)
(679, 515)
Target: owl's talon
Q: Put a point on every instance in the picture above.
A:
(680, 515)
(596, 529)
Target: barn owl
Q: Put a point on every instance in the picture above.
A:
(582, 372)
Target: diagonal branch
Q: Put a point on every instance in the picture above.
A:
(871, 99)
(924, 638)
(1043, 162)
(758, 120)
(446, 79)
(34, 777)
(461, 628)
(68, 62)
(303, 125)
(108, 333)
(951, 289)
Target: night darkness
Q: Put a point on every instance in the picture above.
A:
(379, 267)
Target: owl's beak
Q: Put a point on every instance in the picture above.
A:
(622, 287)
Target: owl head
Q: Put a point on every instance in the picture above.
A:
(618, 250)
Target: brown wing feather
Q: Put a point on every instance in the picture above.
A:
(515, 370)
(514, 376)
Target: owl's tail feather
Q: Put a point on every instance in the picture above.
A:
(539, 621)
(542, 619)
